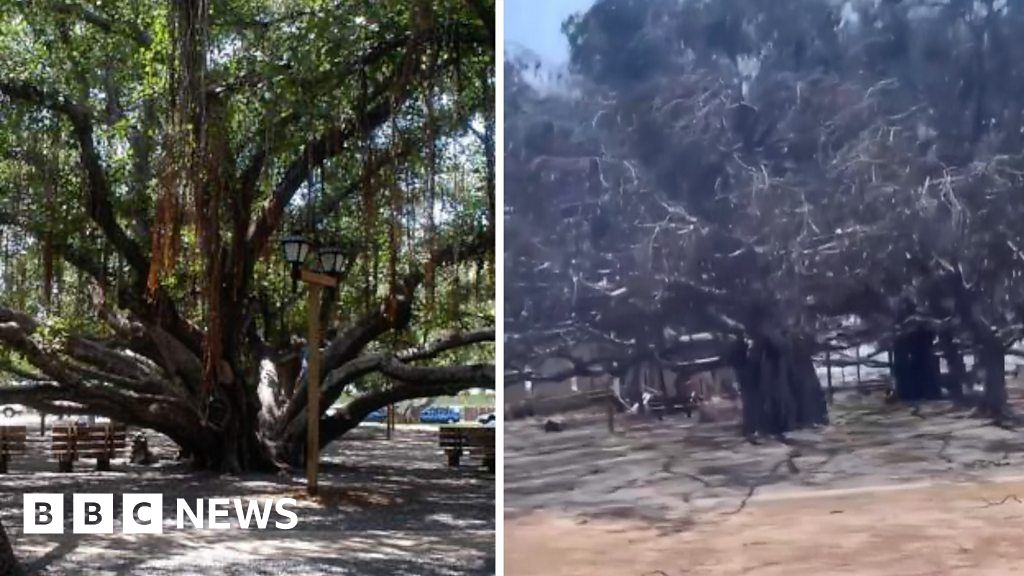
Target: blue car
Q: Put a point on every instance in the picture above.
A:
(440, 415)
(378, 415)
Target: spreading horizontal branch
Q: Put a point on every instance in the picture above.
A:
(161, 413)
(435, 384)
(394, 365)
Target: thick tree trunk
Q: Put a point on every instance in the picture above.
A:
(780, 388)
(992, 358)
(8, 564)
(957, 371)
(632, 392)
(915, 367)
(235, 441)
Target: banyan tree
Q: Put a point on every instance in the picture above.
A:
(152, 156)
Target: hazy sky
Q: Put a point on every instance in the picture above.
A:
(537, 25)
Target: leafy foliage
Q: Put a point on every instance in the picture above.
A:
(152, 154)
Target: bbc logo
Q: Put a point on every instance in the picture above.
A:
(93, 513)
(43, 513)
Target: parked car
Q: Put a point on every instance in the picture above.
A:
(11, 410)
(440, 414)
(486, 419)
(378, 415)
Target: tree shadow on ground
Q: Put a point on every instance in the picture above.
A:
(390, 507)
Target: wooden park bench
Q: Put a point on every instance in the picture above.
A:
(12, 443)
(70, 442)
(455, 440)
(687, 404)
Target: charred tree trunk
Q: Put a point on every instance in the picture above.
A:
(915, 367)
(779, 387)
(990, 352)
(957, 371)
(632, 392)
(992, 357)
(8, 564)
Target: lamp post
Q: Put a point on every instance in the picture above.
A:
(328, 263)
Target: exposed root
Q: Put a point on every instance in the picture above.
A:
(942, 449)
(698, 479)
(743, 503)
(989, 503)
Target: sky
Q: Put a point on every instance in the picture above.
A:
(537, 25)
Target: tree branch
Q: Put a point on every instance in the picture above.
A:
(329, 144)
(98, 202)
(435, 384)
(347, 346)
(473, 375)
(126, 29)
(393, 365)
(161, 413)
(485, 11)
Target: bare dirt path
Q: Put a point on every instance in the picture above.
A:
(887, 490)
(942, 529)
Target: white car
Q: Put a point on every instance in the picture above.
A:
(487, 419)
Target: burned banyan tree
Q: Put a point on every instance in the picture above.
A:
(788, 177)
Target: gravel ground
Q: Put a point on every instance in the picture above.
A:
(389, 508)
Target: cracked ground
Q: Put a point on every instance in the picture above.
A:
(885, 489)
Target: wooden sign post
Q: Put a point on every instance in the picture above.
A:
(316, 284)
(828, 372)
(611, 415)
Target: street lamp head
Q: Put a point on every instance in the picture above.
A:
(295, 248)
(331, 260)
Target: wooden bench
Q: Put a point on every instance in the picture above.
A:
(661, 406)
(69, 442)
(12, 443)
(455, 440)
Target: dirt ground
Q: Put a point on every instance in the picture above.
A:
(391, 508)
(885, 490)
